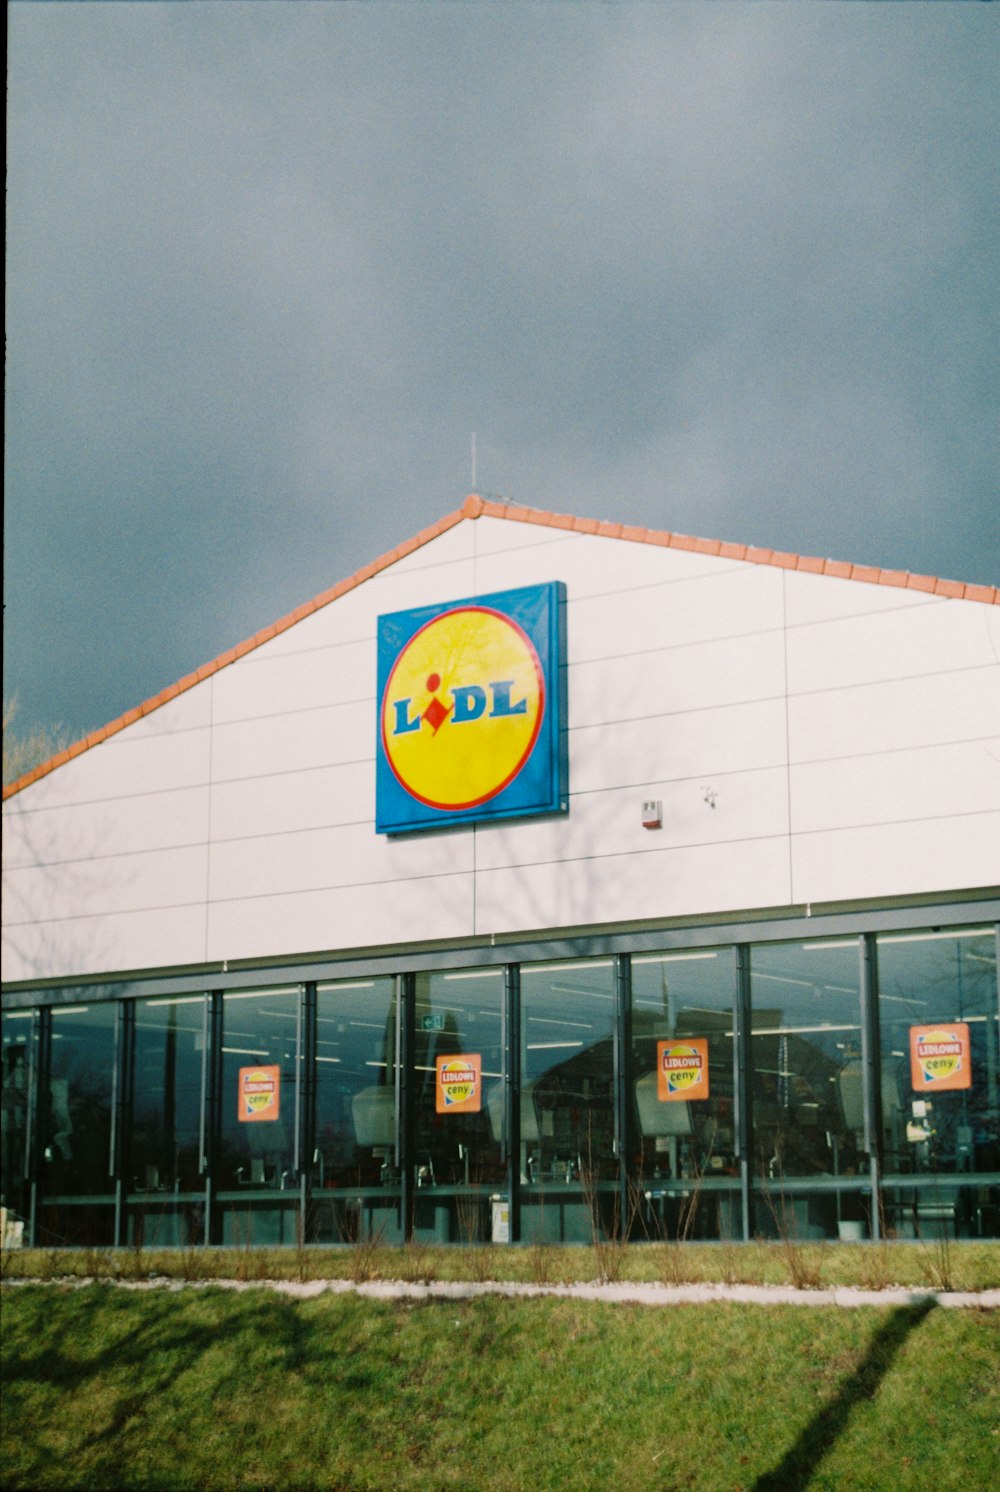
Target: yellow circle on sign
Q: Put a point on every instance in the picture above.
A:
(462, 708)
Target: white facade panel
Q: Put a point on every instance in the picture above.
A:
(897, 644)
(116, 883)
(745, 806)
(319, 859)
(124, 765)
(669, 681)
(352, 617)
(504, 536)
(736, 601)
(886, 859)
(665, 883)
(119, 826)
(928, 782)
(294, 743)
(702, 744)
(191, 710)
(598, 565)
(345, 917)
(823, 598)
(288, 801)
(269, 683)
(455, 545)
(896, 715)
(159, 937)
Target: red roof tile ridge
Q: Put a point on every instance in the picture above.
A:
(477, 506)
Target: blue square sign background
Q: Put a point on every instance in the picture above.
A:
(541, 785)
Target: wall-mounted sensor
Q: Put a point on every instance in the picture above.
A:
(652, 814)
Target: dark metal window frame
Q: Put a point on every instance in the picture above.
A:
(864, 923)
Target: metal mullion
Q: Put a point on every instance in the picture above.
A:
(121, 1109)
(306, 1085)
(405, 1003)
(512, 1095)
(38, 1110)
(213, 1112)
(871, 1073)
(621, 1078)
(742, 1112)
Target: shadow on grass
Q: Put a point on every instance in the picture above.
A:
(796, 1469)
(148, 1362)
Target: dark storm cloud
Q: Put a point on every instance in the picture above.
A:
(727, 270)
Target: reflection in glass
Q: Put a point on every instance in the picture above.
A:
(76, 1116)
(354, 1176)
(568, 1168)
(260, 1044)
(458, 1108)
(807, 1075)
(75, 1127)
(18, 1051)
(682, 1011)
(163, 1144)
(940, 1077)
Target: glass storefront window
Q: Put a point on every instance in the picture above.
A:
(75, 1120)
(567, 1165)
(940, 1079)
(165, 1134)
(16, 1029)
(163, 1144)
(77, 1102)
(807, 1085)
(260, 1054)
(458, 1103)
(354, 1174)
(684, 1101)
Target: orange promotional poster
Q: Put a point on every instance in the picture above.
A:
(939, 1057)
(682, 1069)
(260, 1094)
(459, 1084)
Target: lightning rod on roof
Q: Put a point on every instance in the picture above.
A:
(473, 442)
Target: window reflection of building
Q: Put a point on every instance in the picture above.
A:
(353, 1166)
(686, 1154)
(567, 1162)
(458, 1155)
(806, 1042)
(359, 1142)
(16, 1047)
(933, 1139)
(256, 1164)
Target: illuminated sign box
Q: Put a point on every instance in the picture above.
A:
(471, 711)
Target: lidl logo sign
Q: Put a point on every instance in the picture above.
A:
(682, 1069)
(471, 715)
(939, 1057)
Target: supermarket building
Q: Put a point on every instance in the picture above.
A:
(545, 877)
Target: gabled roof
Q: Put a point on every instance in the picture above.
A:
(478, 507)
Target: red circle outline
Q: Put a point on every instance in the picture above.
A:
(533, 654)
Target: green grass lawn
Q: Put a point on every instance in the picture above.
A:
(105, 1388)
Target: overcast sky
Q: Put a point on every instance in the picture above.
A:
(729, 270)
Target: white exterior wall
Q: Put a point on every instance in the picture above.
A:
(848, 735)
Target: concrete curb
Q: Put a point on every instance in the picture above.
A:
(611, 1294)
